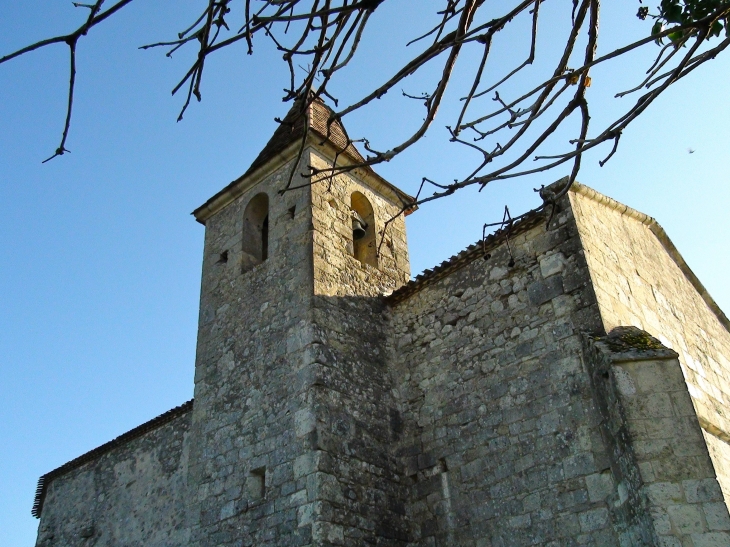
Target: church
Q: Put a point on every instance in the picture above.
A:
(565, 381)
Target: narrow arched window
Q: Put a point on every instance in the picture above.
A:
(363, 230)
(255, 231)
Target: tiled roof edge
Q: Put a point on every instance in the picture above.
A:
(99, 451)
(462, 259)
(281, 146)
(403, 197)
(663, 238)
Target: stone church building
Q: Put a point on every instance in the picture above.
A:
(562, 385)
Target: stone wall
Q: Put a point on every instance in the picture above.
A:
(254, 327)
(134, 494)
(641, 280)
(479, 405)
(667, 493)
(290, 374)
(356, 416)
(501, 443)
(336, 271)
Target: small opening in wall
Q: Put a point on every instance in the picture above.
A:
(223, 258)
(363, 230)
(292, 211)
(256, 484)
(255, 233)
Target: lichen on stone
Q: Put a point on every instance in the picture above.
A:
(631, 338)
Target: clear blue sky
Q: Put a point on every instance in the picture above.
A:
(100, 259)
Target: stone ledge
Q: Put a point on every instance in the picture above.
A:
(713, 430)
(633, 344)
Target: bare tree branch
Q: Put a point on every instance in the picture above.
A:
(507, 127)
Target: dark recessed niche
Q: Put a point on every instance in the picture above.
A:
(255, 233)
(256, 484)
(292, 211)
(223, 258)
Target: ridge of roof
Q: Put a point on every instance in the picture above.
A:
(472, 252)
(301, 116)
(464, 258)
(314, 116)
(105, 448)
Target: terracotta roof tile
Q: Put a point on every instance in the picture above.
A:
(291, 129)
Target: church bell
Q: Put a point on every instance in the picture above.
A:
(359, 226)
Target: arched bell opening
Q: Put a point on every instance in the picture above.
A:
(255, 231)
(363, 230)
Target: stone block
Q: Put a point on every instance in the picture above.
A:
(324, 533)
(600, 486)
(304, 422)
(552, 264)
(687, 519)
(716, 515)
(542, 291)
(662, 524)
(663, 541)
(298, 498)
(594, 519)
(664, 493)
(578, 465)
(657, 376)
(702, 491)
(324, 487)
(711, 539)
(682, 403)
(306, 513)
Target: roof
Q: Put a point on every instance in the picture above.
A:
(105, 448)
(465, 257)
(292, 127)
(292, 130)
(478, 249)
(664, 240)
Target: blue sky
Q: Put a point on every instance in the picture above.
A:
(100, 259)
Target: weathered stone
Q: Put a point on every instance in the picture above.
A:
(542, 291)
(336, 403)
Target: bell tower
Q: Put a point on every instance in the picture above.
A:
(293, 417)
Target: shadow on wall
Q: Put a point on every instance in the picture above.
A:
(358, 424)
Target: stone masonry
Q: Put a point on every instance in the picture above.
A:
(553, 385)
